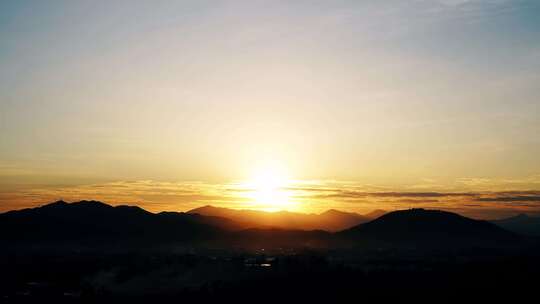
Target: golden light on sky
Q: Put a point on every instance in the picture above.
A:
(273, 105)
(267, 189)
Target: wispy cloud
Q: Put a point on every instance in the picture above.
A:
(510, 199)
(310, 196)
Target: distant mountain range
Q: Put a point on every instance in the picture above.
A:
(522, 223)
(331, 220)
(95, 224)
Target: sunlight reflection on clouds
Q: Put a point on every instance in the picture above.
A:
(305, 196)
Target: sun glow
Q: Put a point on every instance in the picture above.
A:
(267, 189)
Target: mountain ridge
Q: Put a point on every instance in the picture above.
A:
(521, 223)
(331, 220)
(101, 225)
(96, 222)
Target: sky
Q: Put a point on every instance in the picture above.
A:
(175, 104)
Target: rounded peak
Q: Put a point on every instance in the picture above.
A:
(421, 210)
(334, 212)
(330, 211)
(204, 208)
(208, 207)
(90, 203)
(418, 214)
(57, 204)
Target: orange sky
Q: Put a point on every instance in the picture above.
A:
(300, 196)
(126, 101)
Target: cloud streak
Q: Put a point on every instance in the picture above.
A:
(311, 197)
(510, 199)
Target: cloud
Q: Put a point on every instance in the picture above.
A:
(158, 196)
(453, 2)
(475, 181)
(506, 184)
(418, 201)
(510, 199)
(529, 192)
(419, 194)
(346, 194)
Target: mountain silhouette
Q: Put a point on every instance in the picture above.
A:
(522, 223)
(375, 214)
(93, 252)
(96, 222)
(331, 220)
(97, 225)
(429, 228)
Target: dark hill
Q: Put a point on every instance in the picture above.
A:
(214, 221)
(375, 214)
(522, 223)
(429, 228)
(92, 222)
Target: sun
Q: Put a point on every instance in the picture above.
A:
(267, 189)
